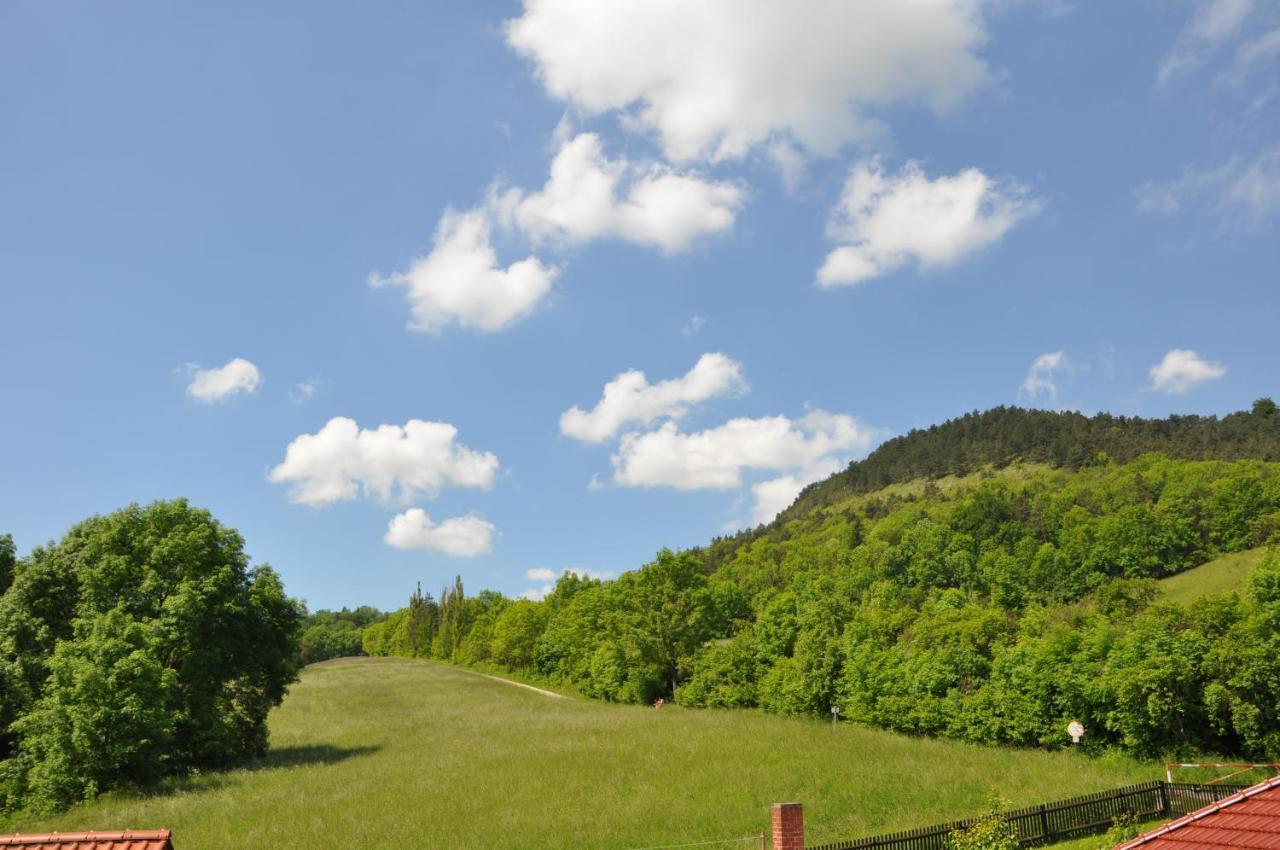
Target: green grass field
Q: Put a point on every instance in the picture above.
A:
(1222, 575)
(388, 752)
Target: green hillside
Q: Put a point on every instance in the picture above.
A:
(1006, 436)
(1227, 574)
(986, 580)
(380, 753)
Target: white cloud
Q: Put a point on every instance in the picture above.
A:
(215, 385)
(461, 282)
(390, 463)
(1041, 378)
(715, 78)
(1214, 22)
(1247, 187)
(630, 397)
(1182, 370)
(716, 458)
(462, 537)
(661, 207)
(883, 221)
(549, 577)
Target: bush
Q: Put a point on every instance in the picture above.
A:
(992, 831)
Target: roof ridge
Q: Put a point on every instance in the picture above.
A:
(1198, 814)
(17, 839)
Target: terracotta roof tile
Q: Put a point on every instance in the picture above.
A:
(1249, 820)
(138, 839)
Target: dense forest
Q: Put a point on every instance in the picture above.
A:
(981, 580)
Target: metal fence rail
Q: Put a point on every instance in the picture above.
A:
(1063, 818)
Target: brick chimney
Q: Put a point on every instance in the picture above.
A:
(788, 826)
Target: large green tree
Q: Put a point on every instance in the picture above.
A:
(141, 644)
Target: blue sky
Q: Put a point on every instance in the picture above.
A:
(340, 272)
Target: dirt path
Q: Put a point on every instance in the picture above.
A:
(542, 691)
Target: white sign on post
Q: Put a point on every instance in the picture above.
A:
(1075, 730)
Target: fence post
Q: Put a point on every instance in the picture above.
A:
(1165, 807)
(788, 826)
(1044, 823)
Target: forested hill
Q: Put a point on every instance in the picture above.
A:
(1002, 436)
(1005, 435)
(990, 580)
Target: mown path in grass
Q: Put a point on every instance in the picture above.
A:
(400, 753)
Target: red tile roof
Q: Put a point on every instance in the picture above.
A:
(1250, 819)
(155, 839)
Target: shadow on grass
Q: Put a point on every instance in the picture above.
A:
(277, 758)
(314, 754)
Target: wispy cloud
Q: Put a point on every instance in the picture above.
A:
(1213, 24)
(1248, 188)
(1042, 378)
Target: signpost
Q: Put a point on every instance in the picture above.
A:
(1075, 730)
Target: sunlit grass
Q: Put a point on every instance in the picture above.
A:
(399, 753)
(1222, 575)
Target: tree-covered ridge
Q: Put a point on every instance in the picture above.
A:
(1003, 436)
(993, 607)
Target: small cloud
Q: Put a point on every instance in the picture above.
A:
(1182, 370)
(884, 221)
(540, 574)
(806, 448)
(214, 385)
(1041, 380)
(462, 537)
(692, 326)
(589, 196)
(390, 463)
(304, 391)
(629, 398)
(462, 282)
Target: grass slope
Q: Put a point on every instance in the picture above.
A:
(389, 752)
(1222, 575)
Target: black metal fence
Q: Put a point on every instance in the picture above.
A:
(1064, 818)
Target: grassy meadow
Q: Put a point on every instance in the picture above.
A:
(390, 752)
(1221, 575)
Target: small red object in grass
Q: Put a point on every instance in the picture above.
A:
(659, 702)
